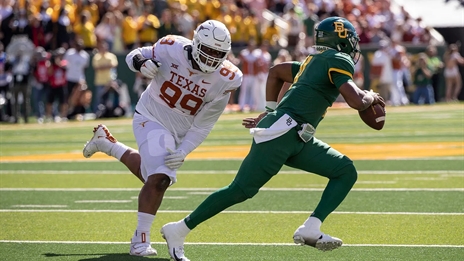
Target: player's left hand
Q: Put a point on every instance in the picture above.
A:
(252, 122)
(175, 159)
(377, 98)
(149, 68)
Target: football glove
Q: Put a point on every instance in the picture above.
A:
(175, 159)
(149, 68)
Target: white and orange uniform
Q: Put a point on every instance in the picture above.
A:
(180, 105)
(248, 61)
(263, 64)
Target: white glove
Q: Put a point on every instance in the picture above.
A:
(175, 159)
(149, 68)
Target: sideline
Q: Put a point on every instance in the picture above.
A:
(378, 151)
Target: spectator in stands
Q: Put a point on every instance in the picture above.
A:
(263, 63)
(422, 79)
(185, 21)
(90, 7)
(309, 23)
(106, 30)
(239, 36)
(272, 35)
(278, 7)
(147, 25)
(250, 27)
(20, 23)
(381, 73)
(111, 105)
(20, 53)
(453, 80)
(326, 9)
(80, 103)
(129, 28)
(104, 63)
(5, 86)
(57, 78)
(400, 62)
(282, 56)
(40, 82)
(358, 76)
(37, 32)
(295, 28)
(248, 61)
(436, 65)
(77, 61)
(167, 24)
(377, 35)
(86, 32)
(62, 30)
(6, 16)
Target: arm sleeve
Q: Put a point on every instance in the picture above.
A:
(146, 51)
(203, 123)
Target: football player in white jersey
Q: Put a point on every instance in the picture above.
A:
(190, 88)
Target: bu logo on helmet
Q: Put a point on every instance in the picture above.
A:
(340, 29)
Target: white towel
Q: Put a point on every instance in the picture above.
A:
(277, 129)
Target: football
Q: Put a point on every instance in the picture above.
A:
(374, 116)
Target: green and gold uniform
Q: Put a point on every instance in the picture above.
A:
(316, 83)
(315, 88)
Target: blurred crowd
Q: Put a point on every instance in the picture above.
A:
(56, 40)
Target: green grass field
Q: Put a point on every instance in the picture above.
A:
(408, 203)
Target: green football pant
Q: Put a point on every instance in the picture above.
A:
(266, 159)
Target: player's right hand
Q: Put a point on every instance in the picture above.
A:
(149, 68)
(252, 122)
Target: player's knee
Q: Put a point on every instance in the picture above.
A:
(238, 194)
(348, 173)
(159, 182)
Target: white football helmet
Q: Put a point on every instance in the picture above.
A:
(210, 45)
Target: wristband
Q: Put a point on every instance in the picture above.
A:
(271, 105)
(138, 60)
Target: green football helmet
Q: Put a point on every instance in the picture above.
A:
(338, 33)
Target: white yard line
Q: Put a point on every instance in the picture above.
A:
(218, 243)
(233, 212)
(232, 172)
(214, 189)
(39, 206)
(103, 201)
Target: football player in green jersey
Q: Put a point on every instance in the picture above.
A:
(284, 135)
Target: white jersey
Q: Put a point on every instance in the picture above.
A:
(187, 102)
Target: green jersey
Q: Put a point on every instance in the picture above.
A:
(421, 79)
(315, 85)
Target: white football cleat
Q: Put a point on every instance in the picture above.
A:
(170, 233)
(102, 140)
(316, 239)
(140, 245)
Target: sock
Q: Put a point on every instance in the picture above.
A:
(144, 221)
(313, 223)
(182, 228)
(118, 149)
